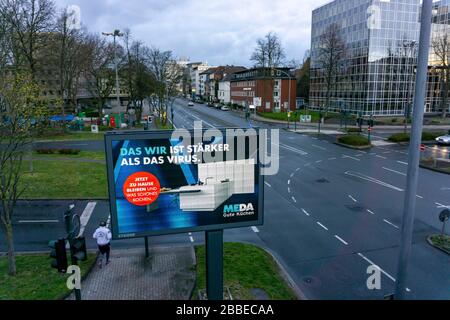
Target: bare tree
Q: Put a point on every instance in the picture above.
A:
(330, 57)
(31, 22)
(441, 48)
(269, 52)
(100, 70)
(18, 118)
(138, 78)
(168, 74)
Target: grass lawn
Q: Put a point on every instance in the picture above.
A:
(441, 241)
(92, 155)
(282, 116)
(64, 180)
(246, 267)
(35, 279)
(160, 126)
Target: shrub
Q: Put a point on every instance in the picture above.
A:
(354, 140)
(429, 136)
(394, 120)
(353, 130)
(45, 151)
(72, 152)
(399, 137)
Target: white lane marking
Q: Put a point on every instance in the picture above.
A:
(341, 240)
(420, 197)
(322, 225)
(371, 179)
(305, 212)
(370, 211)
(298, 169)
(289, 190)
(295, 150)
(191, 239)
(268, 184)
(381, 270)
(395, 171)
(85, 216)
(38, 221)
(390, 223)
(360, 155)
(332, 159)
(318, 161)
(443, 206)
(289, 181)
(209, 124)
(401, 162)
(372, 154)
(386, 152)
(354, 200)
(353, 158)
(381, 157)
(363, 152)
(370, 262)
(319, 147)
(293, 199)
(292, 175)
(255, 229)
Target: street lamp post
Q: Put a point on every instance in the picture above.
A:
(414, 151)
(115, 34)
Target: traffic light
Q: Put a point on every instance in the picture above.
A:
(78, 249)
(59, 255)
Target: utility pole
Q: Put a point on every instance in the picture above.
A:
(414, 152)
(115, 34)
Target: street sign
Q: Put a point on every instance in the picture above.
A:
(305, 118)
(166, 182)
(94, 128)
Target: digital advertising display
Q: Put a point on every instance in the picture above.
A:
(164, 182)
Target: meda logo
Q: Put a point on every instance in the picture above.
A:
(239, 209)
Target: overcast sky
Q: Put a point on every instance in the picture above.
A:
(217, 31)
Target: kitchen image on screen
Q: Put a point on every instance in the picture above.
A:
(217, 182)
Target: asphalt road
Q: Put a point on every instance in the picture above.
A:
(330, 213)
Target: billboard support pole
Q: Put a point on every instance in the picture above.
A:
(214, 264)
(147, 254)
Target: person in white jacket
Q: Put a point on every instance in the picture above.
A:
(103, 236)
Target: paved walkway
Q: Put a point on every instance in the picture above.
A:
(168, 274)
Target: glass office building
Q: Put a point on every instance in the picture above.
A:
(378, 72)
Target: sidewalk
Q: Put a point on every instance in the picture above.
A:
(168, 274)
(338, 126)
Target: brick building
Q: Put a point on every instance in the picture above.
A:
(269, 90)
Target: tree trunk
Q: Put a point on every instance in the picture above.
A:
(11, 254)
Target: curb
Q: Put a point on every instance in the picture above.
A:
(285, 275)
(353, 147)
(433, 169)
(432, 244)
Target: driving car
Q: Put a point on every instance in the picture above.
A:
(443, 139)
(225, 108)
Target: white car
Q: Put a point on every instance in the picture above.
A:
(443, 139)
(225, 108)
(190, 104)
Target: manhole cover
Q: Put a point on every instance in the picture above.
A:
(323, 180)
(356, 208)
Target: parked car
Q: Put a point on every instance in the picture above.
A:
(443, 139)
(225, 108)
(190, 104)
